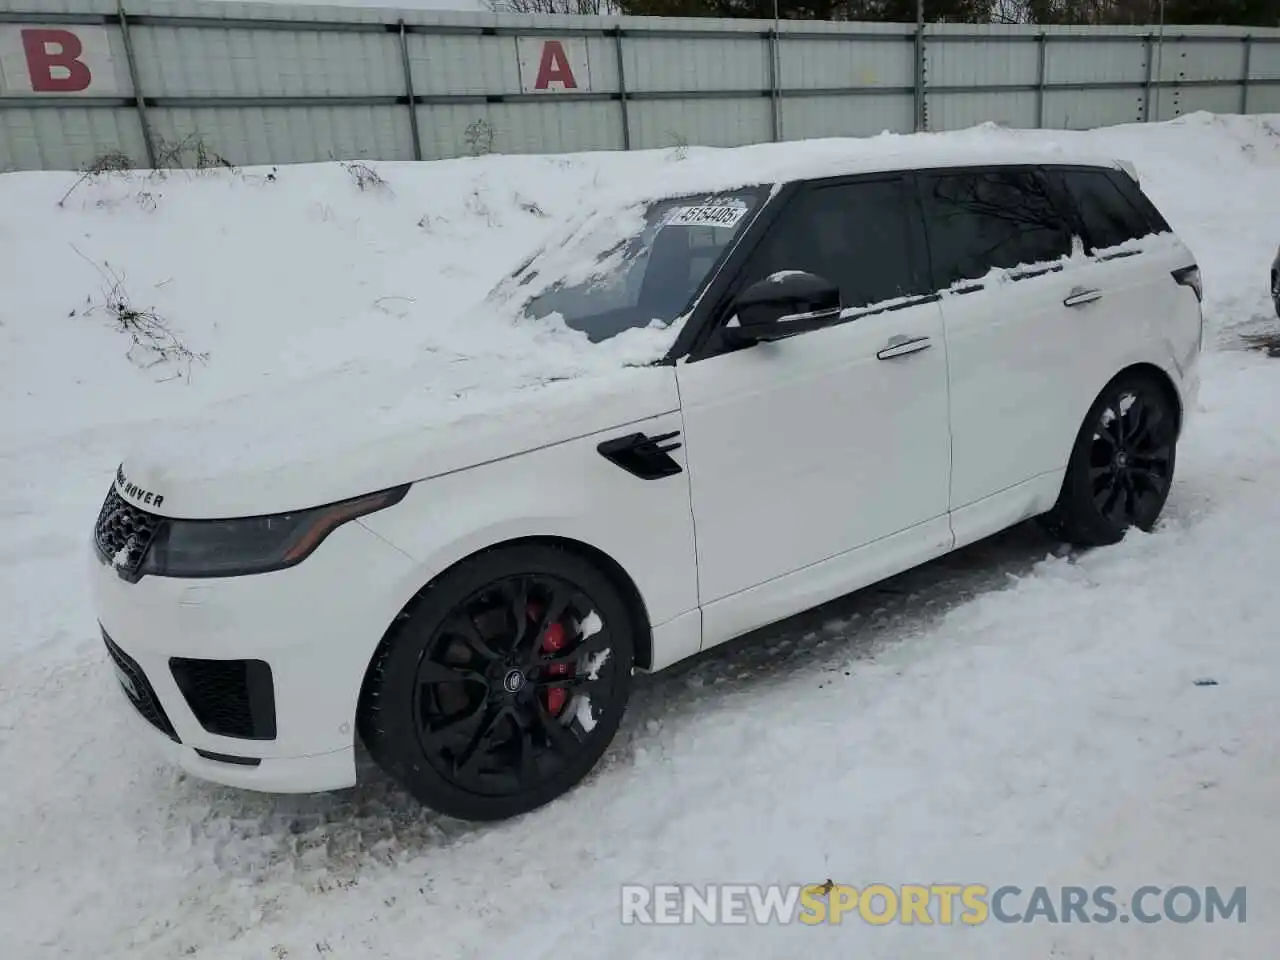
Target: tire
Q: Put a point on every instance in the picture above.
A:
(1275, 292)
(482, 717)
(1120, 469)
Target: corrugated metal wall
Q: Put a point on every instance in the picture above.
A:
(254, 84)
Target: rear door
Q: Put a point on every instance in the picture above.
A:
(1136, 311)
(997, 241)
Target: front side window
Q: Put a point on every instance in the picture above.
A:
(856, 235)
(1107, 216)
(991, 220)
(633, 268)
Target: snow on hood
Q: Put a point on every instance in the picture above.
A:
(483, 386)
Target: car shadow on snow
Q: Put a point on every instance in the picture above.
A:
(332, 835)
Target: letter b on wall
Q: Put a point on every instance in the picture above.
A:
(50, 61)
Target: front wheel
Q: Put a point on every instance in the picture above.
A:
(502, 684)
(1122, 464)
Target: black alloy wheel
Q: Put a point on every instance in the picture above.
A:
(1122, 465)
(503, 685)
(1131, 458)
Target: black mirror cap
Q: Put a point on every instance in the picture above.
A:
(763, 308)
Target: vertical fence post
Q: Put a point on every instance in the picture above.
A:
(408, 87)
(1041, 66)
(775, 104)
(1244, 73)
(921, 121)
(1146, 84)
(139, 100)
(622, 89)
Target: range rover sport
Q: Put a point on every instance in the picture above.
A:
(833, 371)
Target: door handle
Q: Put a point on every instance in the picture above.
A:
(900, 346)
(1080, 296)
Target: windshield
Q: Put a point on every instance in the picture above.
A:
(646, 265)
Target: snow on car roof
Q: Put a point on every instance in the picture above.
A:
(706, 170)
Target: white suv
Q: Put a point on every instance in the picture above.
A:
(859, 366)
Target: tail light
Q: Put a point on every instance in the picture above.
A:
(1190, 277)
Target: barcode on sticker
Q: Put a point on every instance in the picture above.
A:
(706, 215)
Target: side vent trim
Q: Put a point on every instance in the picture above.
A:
(648, 458)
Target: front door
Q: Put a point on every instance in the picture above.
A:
(804, 449)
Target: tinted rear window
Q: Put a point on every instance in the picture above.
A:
(994, 219)
(1108, 217)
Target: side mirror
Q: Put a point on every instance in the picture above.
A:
(785, 304)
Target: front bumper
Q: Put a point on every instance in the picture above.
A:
(283, 653)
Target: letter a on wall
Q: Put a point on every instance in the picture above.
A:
(553, 66)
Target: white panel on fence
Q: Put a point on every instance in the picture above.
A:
(829, 64)
(53, 60)
(980, 62)
(461, 130)
(860, 116)
(269, 135)
(720, 122)
(463, 66)
(1201, 60)
(68, 139)
(1265, 99)
(669, 64)
(1264, 63)
(1083, 109)
(190, 62)
(1178, 101)
(956, 111)
(1076, 61)
(553, 64)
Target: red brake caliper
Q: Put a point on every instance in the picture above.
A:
(553, 642)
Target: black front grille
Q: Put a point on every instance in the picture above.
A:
(139, 690)
(123, 533)
(230, 698)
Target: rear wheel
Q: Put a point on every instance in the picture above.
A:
(1121, 466)
(502, 684)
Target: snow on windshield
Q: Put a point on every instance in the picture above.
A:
(630, 269)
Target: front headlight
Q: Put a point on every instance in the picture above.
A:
(230, 548)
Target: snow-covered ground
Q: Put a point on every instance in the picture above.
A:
(1005, 715)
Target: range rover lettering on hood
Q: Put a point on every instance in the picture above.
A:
(136, 492)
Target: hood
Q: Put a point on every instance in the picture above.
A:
(370, 425)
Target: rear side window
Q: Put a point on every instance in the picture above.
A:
(1108, 217)
(994, 219)
(857, 235)
(1156, 223)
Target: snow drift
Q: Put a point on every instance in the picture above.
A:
(999, 716)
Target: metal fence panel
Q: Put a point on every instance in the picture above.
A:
(863, 116)
(69, 138)
(258, 83)
(822, 64)
(711, 123)
(695, 64)
(1075, 62)
(955, 111)
(1086, 109)
(190, 62)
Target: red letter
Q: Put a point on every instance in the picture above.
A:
(42, 61)
(554, 67)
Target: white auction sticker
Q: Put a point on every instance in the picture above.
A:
(706, 215)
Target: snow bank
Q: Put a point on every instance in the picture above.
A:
(940, 728)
